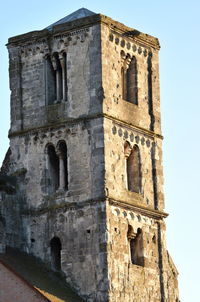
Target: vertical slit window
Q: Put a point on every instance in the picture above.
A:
(56, 248)
(123, 84)
(53, 167)
(59, 83)
(131, 82)
(50, 82)
(63, 165)
(136, 246)
(63, 63)
(133, 167)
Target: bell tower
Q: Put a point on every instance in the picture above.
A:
(86, 149)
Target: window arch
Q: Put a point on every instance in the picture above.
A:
(127, 149)
(56, 248)
(133, 169)
(136, 246)
(53, 168)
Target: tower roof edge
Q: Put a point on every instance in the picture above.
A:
(82, 18)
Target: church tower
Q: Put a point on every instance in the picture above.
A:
(86, 150)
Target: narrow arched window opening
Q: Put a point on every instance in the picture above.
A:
(150, 92)
(136, 246)
(59, 82)
(133, 167)
(123, 83)
(53, 168)
(56, 248)
(50, 81)
(63, 62)
(131, 82)
(63, 165)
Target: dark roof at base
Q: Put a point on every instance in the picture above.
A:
(50, 284)
(78, 14)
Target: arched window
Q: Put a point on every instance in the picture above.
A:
(131, 82)
(63, 165)
(133, 169)
(56, 248)
(136, 246)
(53, 168)
(50, 75)
(63, 63)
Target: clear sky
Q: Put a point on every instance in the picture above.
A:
(177, 25)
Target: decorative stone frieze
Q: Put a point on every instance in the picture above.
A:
(129, 46)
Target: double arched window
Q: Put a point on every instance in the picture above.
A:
(57, 167)
(56, 78)
(133, 168)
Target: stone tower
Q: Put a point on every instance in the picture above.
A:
(86, 149)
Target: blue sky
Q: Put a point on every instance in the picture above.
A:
(176, 24)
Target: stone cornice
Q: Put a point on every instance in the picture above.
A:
(125, 31)
(149, 212)
(133, 127)
(43, 209)
(116, 27)
(54, 125)
(72, 121)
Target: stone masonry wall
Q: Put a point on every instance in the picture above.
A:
(29, 106)
(76, 216)
(138, 125)
(131, 282)
(115, 48)
(81, 230)
(29, 157)
(116, 135)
